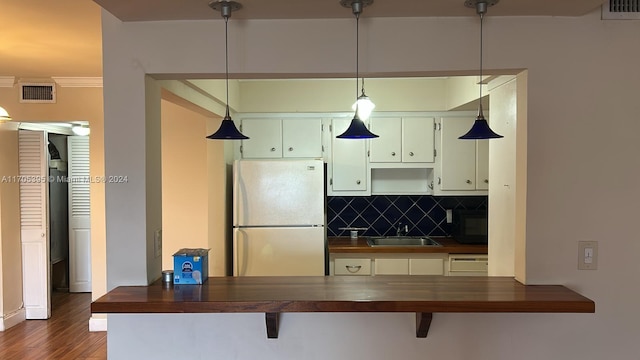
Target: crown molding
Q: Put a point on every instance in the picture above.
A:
(7, 81)
(78, 81)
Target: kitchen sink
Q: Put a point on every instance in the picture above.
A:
(401, 241)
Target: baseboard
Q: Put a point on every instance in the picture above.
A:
(12, 319)
(98, 322)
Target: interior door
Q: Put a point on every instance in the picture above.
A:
(34, 222)
(79, 215)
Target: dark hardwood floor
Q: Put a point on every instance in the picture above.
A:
(64, 336)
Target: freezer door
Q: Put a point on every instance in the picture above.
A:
(278, 251)
(278, 192)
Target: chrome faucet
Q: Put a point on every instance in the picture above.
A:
(402, 230)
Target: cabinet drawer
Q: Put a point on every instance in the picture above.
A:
(467, 264)
(352, 267)
(426, 266)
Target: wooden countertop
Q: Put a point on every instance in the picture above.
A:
(423, 295)
(449, 245)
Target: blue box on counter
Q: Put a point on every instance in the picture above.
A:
(190, 266)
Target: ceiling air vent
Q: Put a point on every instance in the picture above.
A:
(621, 10)
(38, 93)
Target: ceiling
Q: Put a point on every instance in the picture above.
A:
(62, 38)
(144, 10)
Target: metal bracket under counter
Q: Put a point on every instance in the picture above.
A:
(423, 295)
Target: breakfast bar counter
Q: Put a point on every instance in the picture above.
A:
(423, 295)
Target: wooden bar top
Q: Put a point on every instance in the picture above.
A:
(343, 244)
(420, 294)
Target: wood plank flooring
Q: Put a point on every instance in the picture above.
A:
(64, 336)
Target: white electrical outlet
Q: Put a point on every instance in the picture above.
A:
(449, 216)
(587, 255)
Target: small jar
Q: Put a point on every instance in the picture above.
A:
(167, 277)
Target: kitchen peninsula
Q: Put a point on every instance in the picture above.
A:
(227, 306)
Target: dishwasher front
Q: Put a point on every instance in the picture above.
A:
(468, 264)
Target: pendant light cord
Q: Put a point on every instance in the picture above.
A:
(480, 113)
(358, 53)
(226, 59)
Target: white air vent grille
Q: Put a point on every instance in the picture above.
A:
(621, 10)
(38, 93)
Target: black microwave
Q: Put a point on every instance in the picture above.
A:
(470, 226)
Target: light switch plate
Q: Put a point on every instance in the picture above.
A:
(587, 255)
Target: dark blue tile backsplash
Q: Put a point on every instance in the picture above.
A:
(381, 214)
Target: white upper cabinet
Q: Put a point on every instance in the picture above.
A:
(348, 162)
(402, 140)
(463, 164)
(302, 138)
(387, 147)
(265, 138)
(282, 138)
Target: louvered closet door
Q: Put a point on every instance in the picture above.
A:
(33, 224)
(79, 215)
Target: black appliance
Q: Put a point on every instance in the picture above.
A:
(470, 226)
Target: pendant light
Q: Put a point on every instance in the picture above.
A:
(480, 129)
(4, 115)
(357, 129)
(227, 130)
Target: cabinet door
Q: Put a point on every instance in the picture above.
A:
(391, 266)
(265, 138)
(348, 160)
(387, 147)
(458, 160)
(482, 164)
(302, 138)
(417, 140)
(426, 267)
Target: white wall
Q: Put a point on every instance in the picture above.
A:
(582, 162)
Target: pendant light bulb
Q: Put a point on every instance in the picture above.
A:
(480, 129)
(227, 129)
(363, 105)
(4, 115)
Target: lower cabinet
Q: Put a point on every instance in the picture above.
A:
(388, 264)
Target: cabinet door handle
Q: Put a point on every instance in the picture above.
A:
(486, 181)
(290, 149)
(468, 181)
(273, 149)
(411, 153)
(353, 268)
(358, 182)
(393, 153)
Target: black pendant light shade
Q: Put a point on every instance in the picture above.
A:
(227, 130)
(480, 129)
(357, 130)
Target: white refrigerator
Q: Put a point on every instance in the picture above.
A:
(279, 218)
